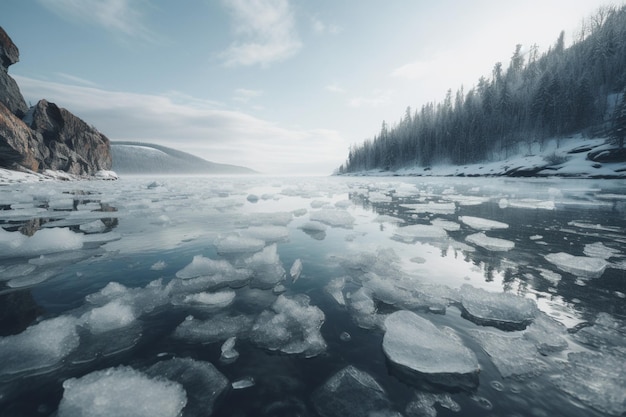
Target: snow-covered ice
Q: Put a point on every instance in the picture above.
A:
(479, 223)
(581, 266)
(415, 345)
(503, 310)
(493, 244)
(121, 391)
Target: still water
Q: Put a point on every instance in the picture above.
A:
(256, 296)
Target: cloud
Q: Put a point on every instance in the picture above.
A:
(121, 17)
(334, 88)
(244, 95)
(378, 98)
(76, 80)
(203, 127)
(322, 28)
(264, 30)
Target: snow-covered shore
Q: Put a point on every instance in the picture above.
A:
(567, 157)
(8, 176)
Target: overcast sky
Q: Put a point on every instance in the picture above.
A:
(280, 86)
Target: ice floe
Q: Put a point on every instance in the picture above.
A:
(581, 266)
(503, 310)
(234, 243)
(44, 241)
(334, 218)
(291, 326)
(493, 244)
(216, 329)
(423, 404)
(351, 393)
(121, 391)
(420, 232)
(479, 223)
(417, 348)
(295, 270)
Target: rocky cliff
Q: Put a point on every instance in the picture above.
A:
(44, 136)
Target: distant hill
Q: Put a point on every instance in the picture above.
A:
(147, 158)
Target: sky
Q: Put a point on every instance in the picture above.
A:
(284, 87)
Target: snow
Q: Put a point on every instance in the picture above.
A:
(479, 223)
(44, 241)
(292, 326)
(121, 391)
(415, 344)
(41, 346)
(581, 266)
(503, 310)
(350, 393)
(490, 243)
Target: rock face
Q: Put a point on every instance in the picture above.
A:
(45, 136)
(10, 94)
(74, 146)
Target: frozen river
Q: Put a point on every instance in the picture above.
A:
(256, 296)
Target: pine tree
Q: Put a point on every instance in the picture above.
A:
(618, 129)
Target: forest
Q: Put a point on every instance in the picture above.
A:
(563, 91)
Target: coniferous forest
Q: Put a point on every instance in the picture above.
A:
(560, 92)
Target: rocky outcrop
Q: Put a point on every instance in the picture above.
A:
(10, 94)
(45, 136)
(74, 146)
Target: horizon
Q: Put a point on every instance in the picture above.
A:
(277, 86)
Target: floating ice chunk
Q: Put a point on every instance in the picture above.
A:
(527, 203)
(203, 383)
(238, 244)
(314, 227)
(96, 226)
(503, 310)
(268, 233)
(214, 329)
(343, 204)
(113, 315)
(253, 198)
(334, 218)
(385, 218)
(417, 348)
(243, 383)
(490, 243)
(16, 271)
(215, 273)
(599, 250)
(44, 241)
(551, 276)
(296, 269)
(510, 352)
(299, 212)
(446, 225)
(33, 279)
(121, 391)
(581, 266)
(415, 232)
(350, 393)
(229, 354)
(142, 300)
(292, 326)
(547, 334)
(431, 207)
(218, 299)
(266, 266)
(274, 218)
(606, 333)
(596, 379)
(40, 346)
(479, 223)
(319, 203)
(423, 404)
(335, 289)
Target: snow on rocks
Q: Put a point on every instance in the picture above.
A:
(479, 223)
(292, 326)
(580, 266)
(503, 310)
(417, 348)
(121, 391)
(490, 243)
(352, 393)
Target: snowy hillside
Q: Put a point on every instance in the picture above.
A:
(144, 158)
(574, 157)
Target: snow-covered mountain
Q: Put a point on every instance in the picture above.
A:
(146, 158)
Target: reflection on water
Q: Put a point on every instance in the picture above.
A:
(288, 288)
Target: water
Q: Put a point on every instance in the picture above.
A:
(110, 284)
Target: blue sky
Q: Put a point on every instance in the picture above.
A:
(280, 86)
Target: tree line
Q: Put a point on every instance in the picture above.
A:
(537, 96)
